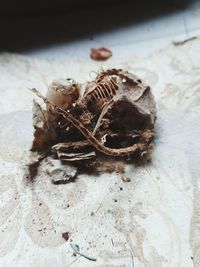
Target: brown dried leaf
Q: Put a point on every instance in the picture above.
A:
(41, 134)
(101, 53)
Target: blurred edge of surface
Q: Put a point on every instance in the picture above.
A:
(39, 7)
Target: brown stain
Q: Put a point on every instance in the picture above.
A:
(35, 162)
(9, 231)
(134, 235)
(195, 227)
(10, 219)
(7, 183)
(7, 210)
(33, 169)
(40, 226)
(77, 194)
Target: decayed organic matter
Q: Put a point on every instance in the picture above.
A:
(113, 115)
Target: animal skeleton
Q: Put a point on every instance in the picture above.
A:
(116, 107)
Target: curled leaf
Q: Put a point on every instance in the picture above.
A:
(101, 53)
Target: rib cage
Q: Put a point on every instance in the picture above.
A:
(104, 90)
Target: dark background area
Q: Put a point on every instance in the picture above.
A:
(33, 24)
(36, 7)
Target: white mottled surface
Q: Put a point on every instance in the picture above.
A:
(155, 221)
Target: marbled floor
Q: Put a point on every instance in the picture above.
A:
(154, 220)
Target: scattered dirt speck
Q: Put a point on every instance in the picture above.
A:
(65, 235)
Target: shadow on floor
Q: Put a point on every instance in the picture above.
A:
(39, 31)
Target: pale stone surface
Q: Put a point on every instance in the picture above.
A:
(154, 221)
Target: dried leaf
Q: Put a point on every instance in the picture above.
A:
(101, 53)
(41, 134)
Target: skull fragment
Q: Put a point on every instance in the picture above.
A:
(114, 115)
